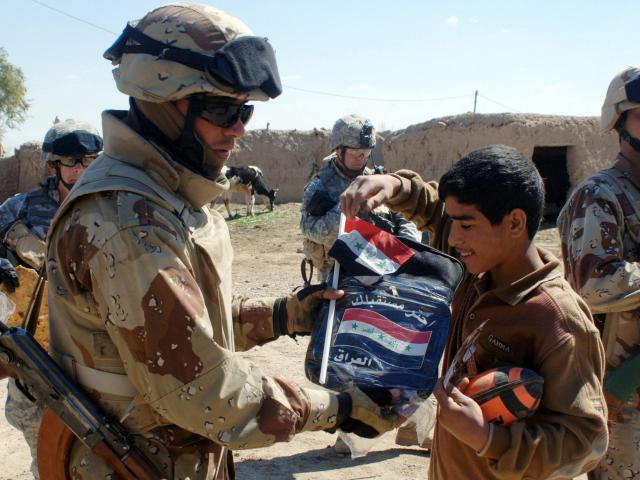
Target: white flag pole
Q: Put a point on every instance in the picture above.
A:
(332, 313)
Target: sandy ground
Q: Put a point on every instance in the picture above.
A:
(267, 260)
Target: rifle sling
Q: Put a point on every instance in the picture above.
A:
(30, 319)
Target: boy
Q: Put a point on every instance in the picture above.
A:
(486, 211)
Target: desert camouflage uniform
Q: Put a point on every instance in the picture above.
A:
(322, 230)
(600, 233)
(140, 299)
(25, 219)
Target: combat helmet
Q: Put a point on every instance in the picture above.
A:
(70, 138)
(352, 131)
(623, 94)
(197, 52)
(179, 50)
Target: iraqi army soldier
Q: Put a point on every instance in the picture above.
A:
(140, 303)
(352, 140)
(599, 228)
(68, 148)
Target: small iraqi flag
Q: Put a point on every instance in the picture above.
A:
(365, 249)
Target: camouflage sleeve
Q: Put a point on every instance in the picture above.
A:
(321, 226)
(164, 335)
(591, 230)
(252, 321)
(9, 211)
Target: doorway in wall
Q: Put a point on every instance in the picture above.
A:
(551, 162)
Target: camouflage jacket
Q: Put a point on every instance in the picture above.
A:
(321, 224)
(24, 222)
(600, 236)
(141, 312)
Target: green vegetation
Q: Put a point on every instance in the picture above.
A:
(261, 219)
(13, 104)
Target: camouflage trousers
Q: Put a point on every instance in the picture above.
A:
(25, 416)
(622, 460)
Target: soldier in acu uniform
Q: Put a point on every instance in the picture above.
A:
(352, 140)
(600, 233)
(68, 148)
(140, 303)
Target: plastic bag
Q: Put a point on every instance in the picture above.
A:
(7, 307)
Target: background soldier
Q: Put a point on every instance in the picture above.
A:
(139, 272)
(352, 141)
(600, 228)
(68, 148)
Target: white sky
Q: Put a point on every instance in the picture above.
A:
(407, 61)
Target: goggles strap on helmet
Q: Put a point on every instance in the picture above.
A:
(631, 140)
(244, 64)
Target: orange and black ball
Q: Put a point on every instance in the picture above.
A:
(506, 394)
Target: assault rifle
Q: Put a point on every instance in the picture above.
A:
(43, 381)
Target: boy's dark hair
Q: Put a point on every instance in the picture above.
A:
(497, 179)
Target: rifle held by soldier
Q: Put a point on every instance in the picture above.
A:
(40, 378)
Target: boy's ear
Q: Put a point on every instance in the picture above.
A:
(517, 222)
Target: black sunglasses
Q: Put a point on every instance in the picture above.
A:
(84, 160)
(225, 115)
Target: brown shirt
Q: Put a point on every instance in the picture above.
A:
(537, 322)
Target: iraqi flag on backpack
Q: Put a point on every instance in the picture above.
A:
(365, 250)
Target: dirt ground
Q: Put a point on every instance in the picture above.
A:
(267, 263)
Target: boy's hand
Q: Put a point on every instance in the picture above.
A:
(368, 192)
(461, 415)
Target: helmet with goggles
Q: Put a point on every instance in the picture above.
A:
(180, 50)
(352, 131)
(70, 142)
(623, 94)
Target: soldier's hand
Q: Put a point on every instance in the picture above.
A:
(368, 192)
(296, 313)
(8, 275)
(367, 418)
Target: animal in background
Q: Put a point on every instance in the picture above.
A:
(250, 181)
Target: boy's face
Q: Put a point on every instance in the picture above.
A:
(482, 247)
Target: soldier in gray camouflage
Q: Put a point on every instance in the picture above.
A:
(140, 303)
(352, 140)
(600, 235)
(68, 148)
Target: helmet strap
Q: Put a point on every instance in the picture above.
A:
(186, 149)
(59, 178)
(631, 140)
(342, 166)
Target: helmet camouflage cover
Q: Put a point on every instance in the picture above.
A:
(70, 138)
(352, 131)
(179, 50)
(618, 96)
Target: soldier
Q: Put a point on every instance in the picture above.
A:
(352, 140)
(68, 148)
(140, 303)
(599, 229)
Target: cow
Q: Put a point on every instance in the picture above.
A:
(250, 181)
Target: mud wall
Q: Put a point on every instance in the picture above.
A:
(432, 147)
(289, 158)
(22, 171)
